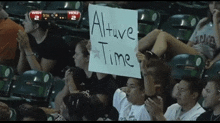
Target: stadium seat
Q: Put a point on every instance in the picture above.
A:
(66, 5)
(13, 116)
(181, 26)
(186, 65)
(6, 80)
(148, 20)
(33, 85)
(213, 71)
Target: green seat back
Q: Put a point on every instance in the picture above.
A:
(212, 71)
(13, 114)
(33, 84)
(148, 20)
(181, 26)
(186, 65)
(6, 80)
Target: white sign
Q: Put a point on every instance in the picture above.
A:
(114, 40)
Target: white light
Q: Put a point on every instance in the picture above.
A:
(142, 17)
(35, 78)
(66, 4)
(182, 22)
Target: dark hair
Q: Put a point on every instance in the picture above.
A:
(209, 18)
(83, 44)
(4, 112)
(79, 105)
(195, 85)
(216, 79)
(35, 113)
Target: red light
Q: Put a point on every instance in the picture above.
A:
(36, 15)
(73, 15)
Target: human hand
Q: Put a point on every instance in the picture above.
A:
(216, 15)
(155, 107)
(68, 76)
(23, 40)
(89, 46)
(208, 64)
(143, 60)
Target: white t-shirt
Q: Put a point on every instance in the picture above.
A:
(127, 111)
(173, 113)
(204, 40)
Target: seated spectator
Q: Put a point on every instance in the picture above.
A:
(187, 107)
(120, 80)
(8, 34)
(160, 73)
(83, 108)
(211, 95)
(129, 101)
(101, 86)
(32, 113)
(40, 49)
(204, 41)
(4, 112)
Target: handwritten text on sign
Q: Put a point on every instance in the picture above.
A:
(113, 35)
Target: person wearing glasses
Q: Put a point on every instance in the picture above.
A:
(204, 41)
(211, 95)
(8, 42)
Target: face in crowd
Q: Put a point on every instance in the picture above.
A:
(214, 5)
(29, 26)
(211, 95)
(184, 96)
(80, 57)
(134, 93)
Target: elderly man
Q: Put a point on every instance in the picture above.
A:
(8, 42)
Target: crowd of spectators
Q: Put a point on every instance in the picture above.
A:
(93, 96)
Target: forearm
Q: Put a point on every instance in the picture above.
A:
(31, 58)
(149, 86)
(60, 95)
(22, 63)
(160, 117)
(216, 59)
(217, 33)
(148, 41)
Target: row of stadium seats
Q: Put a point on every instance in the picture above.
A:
(35, 85)
(180, 26)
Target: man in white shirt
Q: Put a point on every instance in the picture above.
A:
(129, 101)
(187, 107)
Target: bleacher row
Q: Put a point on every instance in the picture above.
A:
(41, 87)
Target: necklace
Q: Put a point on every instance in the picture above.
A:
(215, 118)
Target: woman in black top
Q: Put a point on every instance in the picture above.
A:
(40, 49)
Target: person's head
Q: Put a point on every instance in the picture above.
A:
(4, 112)
(3, 13)
(81, 107)
(211, 93)
(214, 5)
(81, 56)
(188, 91)
(34, 114)
(31, 26)
(135, 92)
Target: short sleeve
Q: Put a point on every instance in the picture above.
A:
(117, 99)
